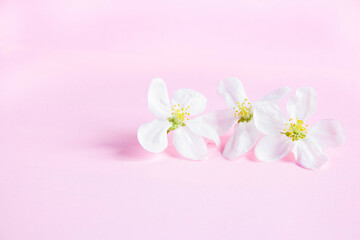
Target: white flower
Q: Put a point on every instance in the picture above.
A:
(188, 133)
(240, 113)
(284, 135)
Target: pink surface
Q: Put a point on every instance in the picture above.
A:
(74, 77)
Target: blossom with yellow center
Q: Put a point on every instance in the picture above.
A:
(188, 134)
(240, 115)
(306, 143)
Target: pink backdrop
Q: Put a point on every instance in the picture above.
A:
(74, 77)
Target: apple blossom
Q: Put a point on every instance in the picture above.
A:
(307, 143)
(188, 133)
(241, 114)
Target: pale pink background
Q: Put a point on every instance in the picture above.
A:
(74, 77)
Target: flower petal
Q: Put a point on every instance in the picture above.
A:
(269, 118)
(158, 99)
(329, 132)
(153, 135)
(221, 120)
(189, 144)
(203, 129)
(276, 96)
(232, 91)
(302, 104)
(241, 141)
(188, 97)
(309, 154)
(273, 147)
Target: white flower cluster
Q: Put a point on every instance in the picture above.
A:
(251, 120)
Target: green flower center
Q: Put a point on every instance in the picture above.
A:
(295, 131)
(243, 111)
(178, 115)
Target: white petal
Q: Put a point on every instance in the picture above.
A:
(232, 90)
(309, 154)
(277, 95)
(330, 133)
(273, 147)
(269, 118)
(188, 97)
(153, 135)
(221, 120)
(241, 141)
(302, 104)
(203, 129)
(189, 144)
(158, 99)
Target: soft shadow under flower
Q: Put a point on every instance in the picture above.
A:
(126, 147)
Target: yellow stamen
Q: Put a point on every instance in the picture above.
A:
(178, 116)
(296, 130)
(243, 111)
